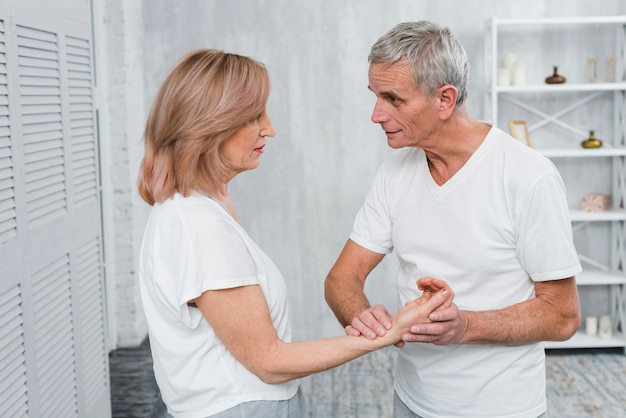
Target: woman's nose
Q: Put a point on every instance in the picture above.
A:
(267, 129)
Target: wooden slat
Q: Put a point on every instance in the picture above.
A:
(13, 388)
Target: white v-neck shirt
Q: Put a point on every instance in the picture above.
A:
(499, 224)
(191, 245)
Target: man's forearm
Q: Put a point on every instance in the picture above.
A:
(552, 315)
(524, 323)
(345, 298)
(343, 288)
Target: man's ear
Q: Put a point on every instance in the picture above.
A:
(446, 96)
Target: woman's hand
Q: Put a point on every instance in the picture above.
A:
(436, 295)
(429, 286)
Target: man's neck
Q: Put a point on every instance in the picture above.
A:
(456, 143)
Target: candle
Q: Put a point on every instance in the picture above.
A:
(504, 77)
(519, 75)
(604, 328)
(509, 61)
(591, 325)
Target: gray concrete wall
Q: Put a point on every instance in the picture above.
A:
(299, 205)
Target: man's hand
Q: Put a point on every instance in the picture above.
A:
(371, 323)
(375, 321)
(442, 328)
(447, 327)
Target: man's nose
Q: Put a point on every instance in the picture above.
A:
(378, 114)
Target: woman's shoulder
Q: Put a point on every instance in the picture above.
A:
(192, 204)
(195, 213)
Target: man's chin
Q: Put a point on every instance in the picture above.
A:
(395, 144)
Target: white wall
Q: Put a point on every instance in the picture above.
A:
(299, 205)
(118, 35)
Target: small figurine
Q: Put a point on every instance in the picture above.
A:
(610, 69)
(592, 141)
(592, 69)
(555, 78)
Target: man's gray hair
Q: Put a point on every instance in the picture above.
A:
(434, 54)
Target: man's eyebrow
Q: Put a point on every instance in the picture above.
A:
(382, 93)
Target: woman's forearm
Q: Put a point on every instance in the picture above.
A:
(287, 361)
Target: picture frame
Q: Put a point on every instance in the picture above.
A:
(519, 131)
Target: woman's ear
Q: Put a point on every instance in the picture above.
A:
(446, 96)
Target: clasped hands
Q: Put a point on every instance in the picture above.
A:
(430, 318)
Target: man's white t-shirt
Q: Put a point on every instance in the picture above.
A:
(499, 224)
(191, 245)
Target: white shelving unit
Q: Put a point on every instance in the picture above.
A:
(559, 117)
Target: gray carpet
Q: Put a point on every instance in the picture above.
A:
(586, 383)
(581, 384)
(134, 392)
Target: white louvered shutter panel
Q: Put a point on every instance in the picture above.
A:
(7, 184)
(53, 356)
(42, 135)
(82, 123)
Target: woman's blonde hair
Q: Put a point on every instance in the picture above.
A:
(206, 97)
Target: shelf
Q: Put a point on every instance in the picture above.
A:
(565, 87)
(582, 340)
(560, 113)
(560, 21)
(578, 215)
(604, 151)
(597, 277)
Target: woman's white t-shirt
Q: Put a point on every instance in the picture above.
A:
(191, 245)
(497, 226)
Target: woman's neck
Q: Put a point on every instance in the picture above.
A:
(223, 196)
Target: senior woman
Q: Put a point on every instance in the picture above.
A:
(215, 304)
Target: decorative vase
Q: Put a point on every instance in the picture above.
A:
(555, 78)
(592, 141)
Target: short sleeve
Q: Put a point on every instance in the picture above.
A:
(200, 251)
(372, 227)
(545, 244)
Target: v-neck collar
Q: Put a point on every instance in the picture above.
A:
(464, 172)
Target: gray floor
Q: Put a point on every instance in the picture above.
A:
(134, 392)
(581, 383)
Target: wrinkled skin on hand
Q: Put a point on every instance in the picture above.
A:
(375, 321)
(446, 325)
